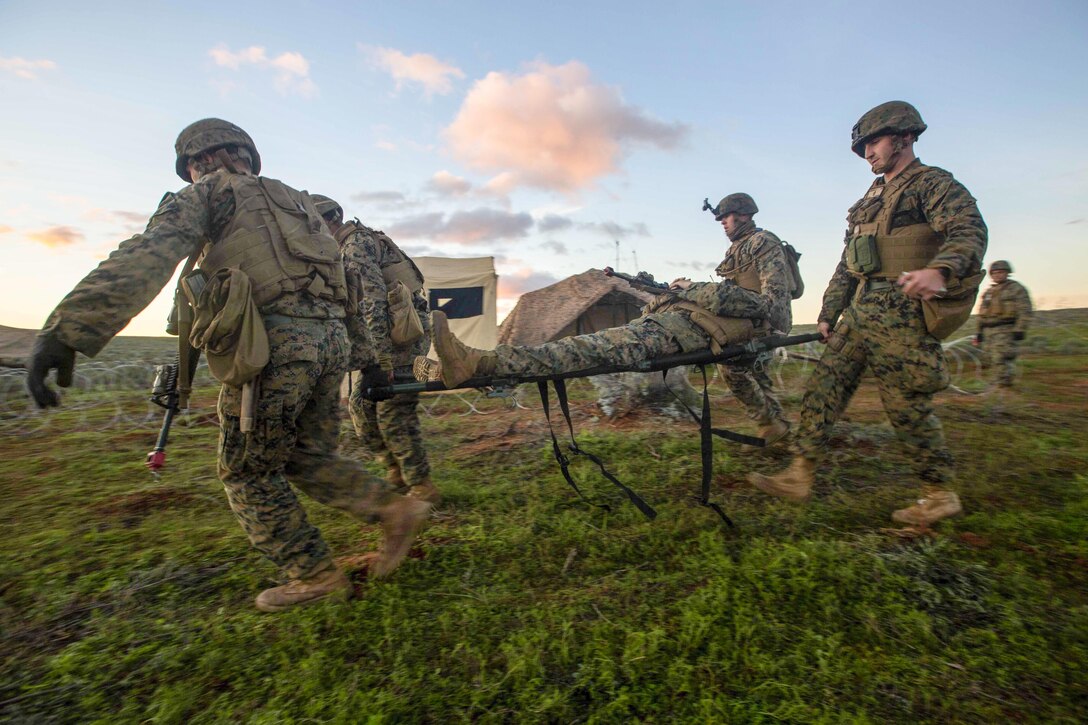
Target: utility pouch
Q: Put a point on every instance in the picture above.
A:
(945, 314)
(405, 326)
(862, 256)
(192, 285)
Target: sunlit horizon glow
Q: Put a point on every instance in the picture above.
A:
(541, 141)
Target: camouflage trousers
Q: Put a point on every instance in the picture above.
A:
(884, 331)
(999, 351)
(294, 441)
(642, 339)
(752, 386)
(391, 431)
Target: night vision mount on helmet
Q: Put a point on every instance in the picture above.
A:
(739, 203)
(209, 134)
(891, 117)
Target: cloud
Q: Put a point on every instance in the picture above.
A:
(696, 265)
(291, 70)
(551, 127)
(447, 184)
(555, 247)
(517, 283)
(1076, 221)
(59, 236)
(26, 69)
(385, 145)
(464, 227)
(426, 70)
(553, 223)
(381, 200)
(5, 229)
(616, 231)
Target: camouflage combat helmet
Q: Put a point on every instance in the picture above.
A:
(326, 206)
(739, 203)
(209, 134)
(999, 265)
(890, 117)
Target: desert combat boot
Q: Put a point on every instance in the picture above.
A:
(795, 483)
(331, 582)
(934, 506)
(401, 521)
(459, 361)
(425, 490)
(773, 431)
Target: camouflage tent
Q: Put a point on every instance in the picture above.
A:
(589, 302)
(586, 302)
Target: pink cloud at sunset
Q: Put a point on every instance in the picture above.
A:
(25, 69)
(58, 236)
(552, 127)
(426, 70)
(291, 69)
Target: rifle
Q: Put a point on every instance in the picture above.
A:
(174, 381)
(643, 281)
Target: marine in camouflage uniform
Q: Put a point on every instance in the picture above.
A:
(693, 316)
(257, 225)
(756, 261)
(1003, 320)
(390, 428)
(914, 232)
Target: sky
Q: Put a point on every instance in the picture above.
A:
(553, 137)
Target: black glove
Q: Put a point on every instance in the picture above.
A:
(1018, 336)
(375, 377)
(49, 354)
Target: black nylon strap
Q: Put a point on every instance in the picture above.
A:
(564, 462)
(640, 504)
(706, 443)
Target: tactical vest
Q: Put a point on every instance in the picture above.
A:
(403, 270)
(745, 275)
(994, 307)
(279, 240)
(876, 251)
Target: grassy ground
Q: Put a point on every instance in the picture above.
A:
(129, 599)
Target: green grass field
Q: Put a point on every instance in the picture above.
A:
(129, 599)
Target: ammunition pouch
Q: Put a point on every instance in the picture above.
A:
(405, 326)
(862, 255)
(723, 331)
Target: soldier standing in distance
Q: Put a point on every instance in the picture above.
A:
(756, 261)
(914, 231)
(274, 235)
(390, 428)
(1003, 319)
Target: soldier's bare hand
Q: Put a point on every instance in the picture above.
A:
(922, 283)
(680, 283)
(824, 328)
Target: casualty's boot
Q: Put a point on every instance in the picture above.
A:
(934, 506)
(401, 521)
(459, 361)
(773, 432)
(426, 370)
(425, 491)
(795, 483)
(305, 591)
